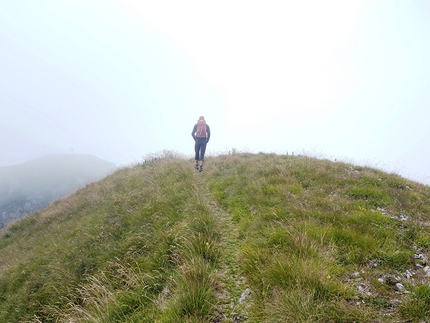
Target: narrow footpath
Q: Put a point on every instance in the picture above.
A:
(234, 296)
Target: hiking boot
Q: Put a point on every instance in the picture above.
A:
(196, 167)
(201, 169)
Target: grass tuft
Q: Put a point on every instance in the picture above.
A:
(254, 238)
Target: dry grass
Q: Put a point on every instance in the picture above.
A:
(312, 240)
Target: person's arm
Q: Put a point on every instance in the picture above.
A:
(193, 134)
(208, 133)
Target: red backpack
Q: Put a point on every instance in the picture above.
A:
(201, 129)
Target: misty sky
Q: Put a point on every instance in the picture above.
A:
(345, 80)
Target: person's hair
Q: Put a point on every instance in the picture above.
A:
(201, 118)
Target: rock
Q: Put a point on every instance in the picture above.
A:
(427, 270)
(400, 287)
(363, 290)
(421, 259)
(244, 295)
(409, 274)
(380, 209)
(403, 217)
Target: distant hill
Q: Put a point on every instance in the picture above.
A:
(29, 187)
(253, 238)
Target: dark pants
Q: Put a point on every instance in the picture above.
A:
(200, 148)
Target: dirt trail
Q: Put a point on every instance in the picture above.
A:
(232, 285)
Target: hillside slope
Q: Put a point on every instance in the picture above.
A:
(254, 238)
(29, 187)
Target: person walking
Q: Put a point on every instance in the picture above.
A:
(201, 134)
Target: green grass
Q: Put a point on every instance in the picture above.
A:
(314, 241)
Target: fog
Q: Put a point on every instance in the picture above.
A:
(120, 80)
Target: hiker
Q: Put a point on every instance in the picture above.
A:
(201, 134)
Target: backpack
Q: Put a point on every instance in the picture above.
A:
(201, 129)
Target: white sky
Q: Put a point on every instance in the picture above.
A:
(123, 79)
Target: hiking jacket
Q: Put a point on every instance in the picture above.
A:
(208, 133)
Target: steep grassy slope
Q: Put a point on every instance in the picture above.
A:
(254, 238)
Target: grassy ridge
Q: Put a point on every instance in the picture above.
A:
(311, 240)
(315, 232)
